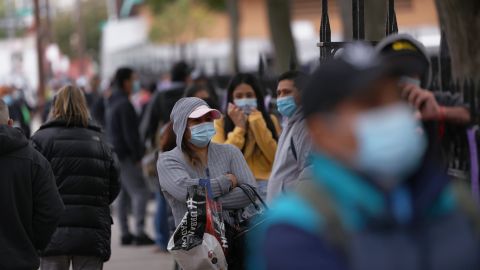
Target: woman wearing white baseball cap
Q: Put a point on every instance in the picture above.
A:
(195, 158)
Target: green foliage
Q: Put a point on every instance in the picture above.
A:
(62, 28)
(94, 14)
(4, 13)
(179, 21)
(158, 5)
(216, 4)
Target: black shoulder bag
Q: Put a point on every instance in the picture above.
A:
(245, 220)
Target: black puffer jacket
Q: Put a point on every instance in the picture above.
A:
(30, 203)
(86, 175)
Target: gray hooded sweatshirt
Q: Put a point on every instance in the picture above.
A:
(291, 157)
(176, 173)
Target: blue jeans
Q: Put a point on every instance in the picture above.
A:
(162, 231)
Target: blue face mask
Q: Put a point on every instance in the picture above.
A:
(8, 100)
(246, 104)
(136, 86)
(409, 80)
(201, 134)
(286, 106)
(390, 146)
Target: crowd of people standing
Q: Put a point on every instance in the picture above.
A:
(349, 166)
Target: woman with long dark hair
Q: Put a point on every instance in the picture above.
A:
(87, 179)
(248, 126)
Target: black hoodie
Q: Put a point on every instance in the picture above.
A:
(30, 203)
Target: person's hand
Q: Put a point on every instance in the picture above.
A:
(254, 110)
(423, 100)
(237, 115)
(233, 179)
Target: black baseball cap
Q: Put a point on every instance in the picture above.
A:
(350, 73)
(405, 55)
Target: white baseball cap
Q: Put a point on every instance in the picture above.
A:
(204, 109)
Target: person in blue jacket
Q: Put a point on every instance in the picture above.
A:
(372, 199)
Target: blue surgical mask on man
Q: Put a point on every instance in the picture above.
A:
(286, 106)
(390, 147)
(410, 80)
(136, 86)
(201, 134)
(246, 104)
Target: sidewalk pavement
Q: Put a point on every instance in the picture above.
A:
(137, 258)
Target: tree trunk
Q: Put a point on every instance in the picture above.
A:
(461, 23)
(375, 19)
(80, 34)
(281, 33)
(40, 56)
(234, 35)
(375, 14)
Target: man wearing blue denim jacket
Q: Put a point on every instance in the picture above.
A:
(372, 200)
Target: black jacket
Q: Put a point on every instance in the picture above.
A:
(122, 127)
(87, 179)
(97, 110)
(30, 203)
(158, 111)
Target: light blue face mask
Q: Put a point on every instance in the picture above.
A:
(286, 106)
(409, 80)
(390, 146)
(201, 134)
(8, 100)
(246, 104)
(136, 86)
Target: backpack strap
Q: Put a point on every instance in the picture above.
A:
(321, 202)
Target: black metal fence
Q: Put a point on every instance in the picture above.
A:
(329, 48)
(456, 148)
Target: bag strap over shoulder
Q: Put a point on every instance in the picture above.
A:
(324, 206)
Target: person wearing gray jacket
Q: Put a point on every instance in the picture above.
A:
(195, 158)
(294, 144)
